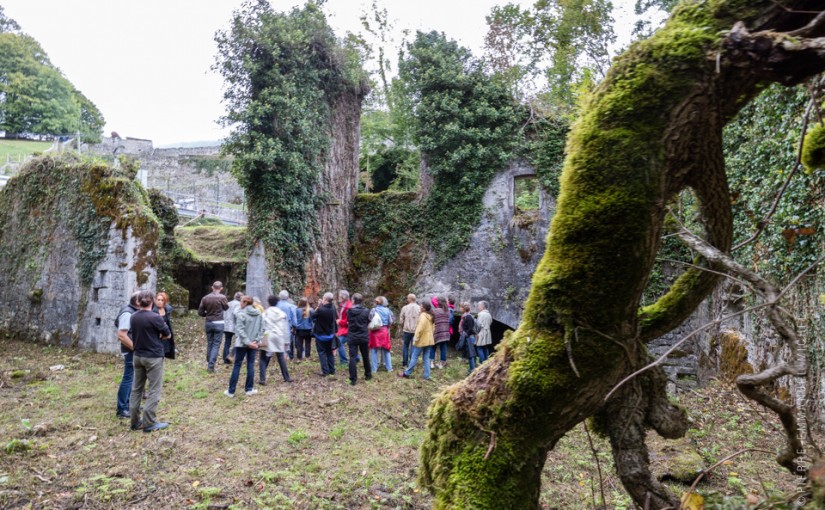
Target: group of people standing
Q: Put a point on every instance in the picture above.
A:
(285, 331)
(428, 327)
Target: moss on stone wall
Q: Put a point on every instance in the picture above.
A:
(388, 240)
(214, 244)
(84, 196)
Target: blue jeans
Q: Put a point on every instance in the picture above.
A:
(425, 352)
(405, 356)
(214, 337)
(471, 353)
(227, 344)
(126, 383)
(240, 354)
(325, 356)
(442, 347)
(375, 357)
(342, 350)
(483, 353)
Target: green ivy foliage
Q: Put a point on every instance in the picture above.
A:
(388, 238)
(282, 72)
(465, 123)
(543, 147)
(761, 145)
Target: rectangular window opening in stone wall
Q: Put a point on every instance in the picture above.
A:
(526, 196)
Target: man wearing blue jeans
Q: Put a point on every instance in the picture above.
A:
(212, 308)
(124, 331)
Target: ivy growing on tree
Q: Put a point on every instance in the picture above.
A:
(282, 71)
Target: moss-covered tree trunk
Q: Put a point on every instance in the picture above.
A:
(652, 128)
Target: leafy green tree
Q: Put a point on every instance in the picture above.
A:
(35, 98)
(566, 41)
(91, 120)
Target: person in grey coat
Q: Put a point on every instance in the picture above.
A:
(485, 337)
(248, 328)
(229, 326)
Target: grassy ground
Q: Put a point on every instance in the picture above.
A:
(315, 444)
(17, 148)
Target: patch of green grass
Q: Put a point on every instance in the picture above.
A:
(296, 437)
(337, 432)
(15, 149)
(17, 446)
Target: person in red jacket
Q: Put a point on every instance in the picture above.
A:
(344, 304)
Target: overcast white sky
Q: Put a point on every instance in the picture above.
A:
(146, 64)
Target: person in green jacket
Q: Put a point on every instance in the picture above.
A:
(248, 326)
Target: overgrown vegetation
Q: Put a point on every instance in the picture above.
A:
(465, 124)
(389, 240)
(283, 72)
(761, 146)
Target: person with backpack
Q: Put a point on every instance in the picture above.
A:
(127, 350)
(484, 337)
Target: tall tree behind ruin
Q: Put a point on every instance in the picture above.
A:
(293, 97)
(650, 130)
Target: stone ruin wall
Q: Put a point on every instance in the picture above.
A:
(498, 265)
(48, 302)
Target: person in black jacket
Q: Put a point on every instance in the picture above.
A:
(324, 332)
(358, 318)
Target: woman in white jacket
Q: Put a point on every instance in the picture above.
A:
(276, 339)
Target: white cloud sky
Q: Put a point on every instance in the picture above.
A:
(146, 64)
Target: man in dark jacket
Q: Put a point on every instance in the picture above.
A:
(358, 318)
(324, 332)
(149, 331)
(211, 308)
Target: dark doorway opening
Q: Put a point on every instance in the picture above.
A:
(198, 280)
(497, 330)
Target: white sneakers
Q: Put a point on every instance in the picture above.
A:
(251, 392)
(230, 395)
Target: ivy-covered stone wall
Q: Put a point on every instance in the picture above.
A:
(77, 237)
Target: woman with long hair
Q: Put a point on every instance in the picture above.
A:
(248, 327)
(164, 309)
(380, 345)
